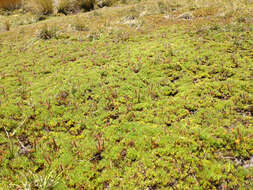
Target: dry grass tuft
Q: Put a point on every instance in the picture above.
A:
(67, 6)
(87, 5)
(44, 7)
(206, 11)
(7, 25)
(47, 32)
(10, 4)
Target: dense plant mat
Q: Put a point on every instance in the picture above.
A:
(155, 104)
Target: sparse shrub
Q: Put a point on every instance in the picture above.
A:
(10, 4)
(47, 32)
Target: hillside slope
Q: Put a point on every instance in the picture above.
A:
(152, 95)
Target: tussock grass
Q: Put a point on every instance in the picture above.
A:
(44, 7)
(47, 7)
(67, 6)
(7, 25)
(87, 4)
(70, 6)
(47, 32)
(10, 4)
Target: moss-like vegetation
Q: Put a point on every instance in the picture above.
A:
(138, 98)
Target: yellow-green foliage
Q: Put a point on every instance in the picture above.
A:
(10, 4)
(92, 103)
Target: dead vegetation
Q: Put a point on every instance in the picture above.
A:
(10, 4)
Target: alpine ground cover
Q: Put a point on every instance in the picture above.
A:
(139, 99)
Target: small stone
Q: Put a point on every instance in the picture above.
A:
(186, 16)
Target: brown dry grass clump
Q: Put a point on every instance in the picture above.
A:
(10, 4)
(71, 6)
(44, 7)
(206, 11)
(47, 7)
